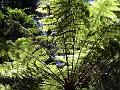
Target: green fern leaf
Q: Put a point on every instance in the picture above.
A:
(109, 14)
(104, 8)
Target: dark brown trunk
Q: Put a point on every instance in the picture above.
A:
(69, 87)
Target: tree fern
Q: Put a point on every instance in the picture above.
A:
(71, 19)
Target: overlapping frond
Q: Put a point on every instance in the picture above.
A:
(104, 8)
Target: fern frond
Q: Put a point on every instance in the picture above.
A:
(104, 8)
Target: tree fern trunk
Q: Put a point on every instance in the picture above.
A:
(69, 88)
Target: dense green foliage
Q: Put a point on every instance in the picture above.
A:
(75, 46)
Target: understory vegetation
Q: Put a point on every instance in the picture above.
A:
(59, 44)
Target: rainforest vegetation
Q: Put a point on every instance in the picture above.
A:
(59, 44)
